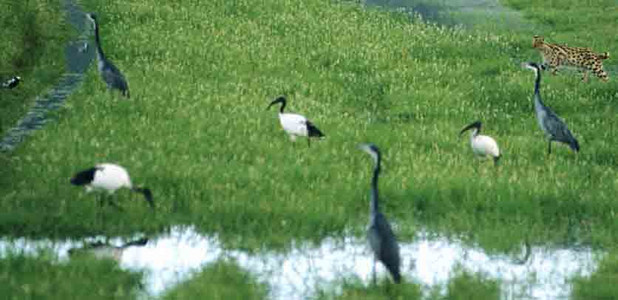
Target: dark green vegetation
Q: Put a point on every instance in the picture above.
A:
(601, 284)
(42, 277)
(462, 285)
(465, 285)
(358, 290)
(220, 280)
(196, 131)
(32, 46)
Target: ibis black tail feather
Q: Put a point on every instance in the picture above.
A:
(497, 159)
(313, 131)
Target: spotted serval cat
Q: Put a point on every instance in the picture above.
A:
(555, 55)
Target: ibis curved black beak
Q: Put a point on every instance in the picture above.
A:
(147, 195)
(281, 100)
(476, 124)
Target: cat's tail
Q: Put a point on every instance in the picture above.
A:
(604, 55)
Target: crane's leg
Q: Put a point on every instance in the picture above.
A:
(308, 142)
(374, 271)
(112, 201)
(549, 147)
(100, 200)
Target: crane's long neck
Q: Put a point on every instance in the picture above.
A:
(374, 206)
(537, 89)
(97, 41)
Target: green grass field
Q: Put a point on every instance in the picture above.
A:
(197, 132)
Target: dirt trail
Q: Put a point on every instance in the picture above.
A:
(78, 59)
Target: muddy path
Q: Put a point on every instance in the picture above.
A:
(78, 56)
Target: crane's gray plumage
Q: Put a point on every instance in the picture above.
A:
(381, 238)
(109, 72)
(554, 128)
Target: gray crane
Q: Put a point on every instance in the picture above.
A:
(554, 128)
(111, 75)
(381, 238)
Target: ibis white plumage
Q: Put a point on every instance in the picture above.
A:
(109, 177)
(294, 124)
(483, 146)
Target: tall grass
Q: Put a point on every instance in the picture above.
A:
(220, 280)
(43, 277)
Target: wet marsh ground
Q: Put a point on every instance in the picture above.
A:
(196, 131)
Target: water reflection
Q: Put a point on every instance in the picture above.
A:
(540, 273)
(458, 12)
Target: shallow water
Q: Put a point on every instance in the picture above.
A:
(489, 13)
(296, 274)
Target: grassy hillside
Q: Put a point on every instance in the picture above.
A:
(32, 47)
(196, 130)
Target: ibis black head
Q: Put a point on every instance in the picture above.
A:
(281, 100)
(372, 149)
(84, 177)
(475, 124)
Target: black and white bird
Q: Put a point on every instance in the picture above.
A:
(112, 77)
(483, 146)
(109, 177)
(294, 124)
(381, 238)
(11, 83)
(101, 250)
(554, 128)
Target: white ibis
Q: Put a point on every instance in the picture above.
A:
(483, 146)
(109, 177)
(295, 124)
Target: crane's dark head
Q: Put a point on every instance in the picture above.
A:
(475, 124)
(372, 149)
(531, 65)
(92, 17)
(280, 99)
(84, 177)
